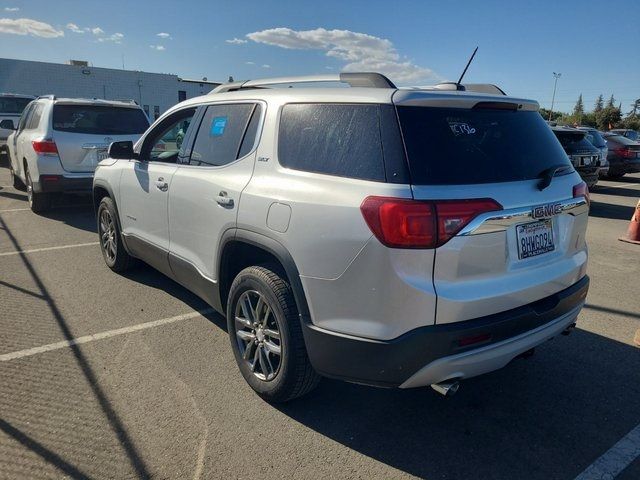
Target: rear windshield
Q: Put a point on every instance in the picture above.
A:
(620, 139)
(596, 139)
(633, 135)
(573, 140)
(449, 146)
(13, 104)
(99, 120)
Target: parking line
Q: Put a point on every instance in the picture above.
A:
(616, 459)
(14, 210)
(102, 335)
(46, 249)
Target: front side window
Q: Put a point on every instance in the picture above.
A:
(334, 139)
(164, 142)
(227, 132)
(99, 120)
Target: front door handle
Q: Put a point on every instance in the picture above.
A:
(162, 185)
(224, 200)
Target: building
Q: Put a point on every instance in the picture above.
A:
(156, 92)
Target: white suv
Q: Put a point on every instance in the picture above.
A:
(385, 236)
(58, 142)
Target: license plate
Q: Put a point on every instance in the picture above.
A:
(534, 238)
(102, 154)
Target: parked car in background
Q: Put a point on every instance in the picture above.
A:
(327, 223)
(624, 155)
(627, 132)
(598, 141)
(11, 107)
(584, 157)
(59, 141)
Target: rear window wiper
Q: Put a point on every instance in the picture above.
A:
(547, 175)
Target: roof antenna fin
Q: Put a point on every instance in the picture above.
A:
(459, 82)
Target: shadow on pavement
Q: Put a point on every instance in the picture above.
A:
(116, 424)
(610, 210)
(619, 192)
(79, 216)
(546, 417)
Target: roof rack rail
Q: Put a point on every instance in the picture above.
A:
(50, 97)
(353, 79)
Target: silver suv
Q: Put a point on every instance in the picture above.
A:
(384, 236)
(58, 142)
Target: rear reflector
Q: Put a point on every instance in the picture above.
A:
(473, 339)
(49, 178)
(581, 190)
(405, 223)
(45, 147)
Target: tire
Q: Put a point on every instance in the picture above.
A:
(254, 349)
(38, 201)
(115, 255)
(15, 180)
(615, 176)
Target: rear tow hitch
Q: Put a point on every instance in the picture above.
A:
(569, 329)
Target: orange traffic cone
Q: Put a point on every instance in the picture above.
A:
(633, 234)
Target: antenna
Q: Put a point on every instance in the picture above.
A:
(468, 63)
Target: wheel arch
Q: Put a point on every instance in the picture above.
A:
(99, 191)
(242, 248)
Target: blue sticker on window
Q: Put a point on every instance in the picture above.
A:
(217, 125)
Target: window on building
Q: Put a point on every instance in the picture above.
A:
(156, 112)
(182, 95)
(221, 138)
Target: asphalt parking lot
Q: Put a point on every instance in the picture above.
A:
(165, 400)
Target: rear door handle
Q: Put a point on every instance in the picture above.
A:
(162, 185)
(224, 200)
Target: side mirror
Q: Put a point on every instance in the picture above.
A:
(7, 125)
(121, 150)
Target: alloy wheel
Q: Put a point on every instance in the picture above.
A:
(108, 235)
(258, 335)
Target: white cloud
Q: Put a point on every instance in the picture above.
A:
(360, 51)
(266, 66)
(74, 28)
(11, 9)
(97, 31)
(249, 63)
(159, 48)
(236, 41)
(164, 35)
(115, 38)
(27, 26)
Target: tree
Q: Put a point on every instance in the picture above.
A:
(599, 104)
(578, 111)
(611, 101)
(554, 115)
(635, 106)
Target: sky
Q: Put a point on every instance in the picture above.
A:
(595, 45)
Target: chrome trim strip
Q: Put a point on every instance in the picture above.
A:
(491, 222)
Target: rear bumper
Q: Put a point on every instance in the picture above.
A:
(433, 353)
(624, 166)
(63, 183)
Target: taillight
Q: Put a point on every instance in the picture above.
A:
(581, 190)
(626, 152)
(45, 147)
(404, 223)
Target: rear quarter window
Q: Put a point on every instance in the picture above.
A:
(334, 139)
(99, 120)
(455, 146)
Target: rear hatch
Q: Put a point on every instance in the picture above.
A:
(508, 237)
(83, 132)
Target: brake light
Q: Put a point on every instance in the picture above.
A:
(404, 223)
(581, 190)
(626, 152)
(45, 147)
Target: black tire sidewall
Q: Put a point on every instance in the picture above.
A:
(250, 280)
(122, 259)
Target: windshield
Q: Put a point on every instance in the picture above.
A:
(632, 134)
(99, 120)
(595, 138)
(13, 105)
(448, 146)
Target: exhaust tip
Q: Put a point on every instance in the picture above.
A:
(448, 389)
(569, 329)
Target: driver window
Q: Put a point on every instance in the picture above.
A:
(164, 144)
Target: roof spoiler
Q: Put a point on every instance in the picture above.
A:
(470, 87)
(353, 79)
